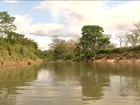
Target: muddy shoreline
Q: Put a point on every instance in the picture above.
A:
(20, 62)
(117, 61)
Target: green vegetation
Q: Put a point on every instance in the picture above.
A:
(95, 45)
(6, 22)
(127, 52)
(14, 46)
(91, 41)
(60, 49)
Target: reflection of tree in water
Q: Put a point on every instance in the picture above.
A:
(7, 99)
(133, 81)
(64, 71)
(129, 75)
(11, 78)
(94, 77)
(92, 81)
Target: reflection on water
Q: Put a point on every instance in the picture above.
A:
(70, 84)
(11, 78)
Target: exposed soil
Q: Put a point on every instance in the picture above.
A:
(20, 62)
(130, 57)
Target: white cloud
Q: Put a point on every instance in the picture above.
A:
(74, 12)
(79, 13)
(10, 1)
(24, 26)
(54, 6)
(22, 23)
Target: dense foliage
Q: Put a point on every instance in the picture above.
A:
(91, 41)
(6, 22)
(60, 49)
(95, 44)
(15, 46)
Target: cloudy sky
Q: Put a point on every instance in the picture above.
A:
(41, 19)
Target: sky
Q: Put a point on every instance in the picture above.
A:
(41, 19)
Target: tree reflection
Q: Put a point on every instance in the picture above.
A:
(93, 81)
(70, 80)
(94, 77)
(64, 71)
(11, 78)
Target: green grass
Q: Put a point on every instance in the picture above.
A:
(121, 50)
(18, 50)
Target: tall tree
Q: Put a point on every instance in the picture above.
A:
(6, 22)
(93, 38)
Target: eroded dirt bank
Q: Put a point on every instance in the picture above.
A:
(4, 63)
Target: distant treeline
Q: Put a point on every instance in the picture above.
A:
(93, 44)
(85, 48)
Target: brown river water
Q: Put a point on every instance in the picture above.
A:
(71, 84)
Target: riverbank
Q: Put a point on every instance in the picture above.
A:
(20, 62)
(103, 60)
(118, 61)
(123, 54)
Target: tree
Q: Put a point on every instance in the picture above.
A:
(61, 49)
(58, 47)
(137, 28)
(93, 38)
(6, 22)
(134, 35)
(122, 38)
(133, 39)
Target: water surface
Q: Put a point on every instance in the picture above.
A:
(71, 84)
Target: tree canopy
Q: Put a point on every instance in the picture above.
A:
(6, 22)
(93, 38)
(15, 45)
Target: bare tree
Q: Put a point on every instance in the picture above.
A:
(125, 40)
(134, 36)
(137, 26)
(120, 38)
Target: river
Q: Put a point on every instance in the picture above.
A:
(71, 84)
